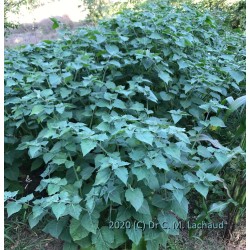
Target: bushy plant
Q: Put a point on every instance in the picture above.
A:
(121, 125)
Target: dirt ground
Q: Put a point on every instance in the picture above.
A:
(35, 24)
(37, 32)
(213, 240)
(24, 238)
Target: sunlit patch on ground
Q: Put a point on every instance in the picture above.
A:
(73, 9)
(35, 24)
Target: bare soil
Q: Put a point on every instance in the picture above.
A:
(213, 240)
(37, 32)
(35, 24)
(34, 239)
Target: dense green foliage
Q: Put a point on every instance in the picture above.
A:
(123, 123)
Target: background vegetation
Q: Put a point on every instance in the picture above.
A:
(235, 11)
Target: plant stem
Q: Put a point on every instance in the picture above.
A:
(103, 149)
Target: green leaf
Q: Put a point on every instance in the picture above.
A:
(165, 76)
(119, 238)
(237, 75)
(137, 154)
(47, 157)
(87, 145)
(211, 177)
(69, 164)
(26, 198)
(218, 207)
(65, 92)
(54, 80)
(146, 137)
(182, 137)
(135, 197)
(216, 121)
(182, 64)
(10, 82)
(37, 210)
(147, 63)
(115, 63)
(90, 204)
(34, 220)
(54, 228)
(144, 209)
(37, 109)
(34, 151)
(151, 234)
(100, 38)
(222, 158)
(164, 96)
(134, 234)
(58, 209)
(103, 238)
(53, 188)
(86, 173)
(55, 23)
(122, 174)
(36, 164)
(77, 231)
(155, 36)
(176, 184)
(102, 176)
(9, 195)
(180, 208)
(137, 106)
(112, 49)
(12, 173)
(176, 117)
(178, 194)
(201, 188)
(168, 223)
(173, 150)
(90, 221)
(160, 162)
(13, 207)
(115, 196)
(234, 105)
(202, 151)
(158, 201)
(119, 104)
(190, 178)
(74, 210)
(70, 246)
(168, 186)
(60, 108)
(153, 244)
(47, 92)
